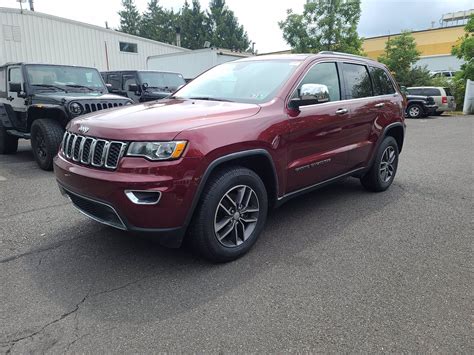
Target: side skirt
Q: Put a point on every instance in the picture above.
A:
(281, 200)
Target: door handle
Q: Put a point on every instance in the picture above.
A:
(342, 111)
(379, 105)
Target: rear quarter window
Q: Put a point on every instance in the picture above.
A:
(448, 92)
(381, 82)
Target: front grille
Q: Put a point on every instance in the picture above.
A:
(93, 107)
(99, 153)
(96, 210)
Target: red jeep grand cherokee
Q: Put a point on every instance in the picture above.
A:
(241, 138)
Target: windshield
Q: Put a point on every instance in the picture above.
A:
(161, 80)
(64, 78)
(246, 81)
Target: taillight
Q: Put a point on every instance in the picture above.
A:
(444, 100)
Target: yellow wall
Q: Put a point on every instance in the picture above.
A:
(429, 42)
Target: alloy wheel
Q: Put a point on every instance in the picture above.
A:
(236, 216)
(40, 144)
(387, 168)
(414, 111)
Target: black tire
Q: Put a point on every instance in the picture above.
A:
(46, 137)
(415, 111)
(437, 113)
(374, 180)
(8, 143)
(203, 236)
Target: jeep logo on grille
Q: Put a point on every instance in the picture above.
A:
(83, 129)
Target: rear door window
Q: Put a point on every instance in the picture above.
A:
(431, 92)
(358, 83)
(382, 83)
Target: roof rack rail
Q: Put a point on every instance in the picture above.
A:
(345, 54)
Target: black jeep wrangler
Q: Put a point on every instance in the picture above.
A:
(143, 85)
(38, 100)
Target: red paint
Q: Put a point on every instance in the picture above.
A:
(334, 144)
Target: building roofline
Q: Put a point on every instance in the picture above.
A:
(78, 23)
(418, 31)
(219, 51)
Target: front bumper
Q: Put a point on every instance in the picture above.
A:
(101, 194)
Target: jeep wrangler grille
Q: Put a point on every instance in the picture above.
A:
(99, 153)
(92, 107)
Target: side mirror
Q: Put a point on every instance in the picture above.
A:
(310, 94)
(14, 87)
(109, 87)
(133, 87)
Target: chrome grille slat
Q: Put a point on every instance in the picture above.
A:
(99, 153)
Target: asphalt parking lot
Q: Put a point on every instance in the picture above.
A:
(337, 270)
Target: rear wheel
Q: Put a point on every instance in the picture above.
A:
(415, 111)
(8, 143)
(231, 215)
(46, 136)
(383, 170)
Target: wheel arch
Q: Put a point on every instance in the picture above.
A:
(54, 113)
(397, 131)
(258, 160)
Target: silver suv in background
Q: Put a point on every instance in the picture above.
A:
(443, 97)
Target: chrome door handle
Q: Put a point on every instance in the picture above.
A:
(379, 105)
(342, 111)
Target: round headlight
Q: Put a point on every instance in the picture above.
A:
(75, 108)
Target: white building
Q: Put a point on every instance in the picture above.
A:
(40, 38)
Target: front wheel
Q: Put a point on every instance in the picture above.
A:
(46, 136)
(415, 111)
(231, 215)
(383, 170)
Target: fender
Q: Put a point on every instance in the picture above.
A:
(382, 137)
(6, 114)
(214, 164)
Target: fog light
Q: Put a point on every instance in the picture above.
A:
(140, 197)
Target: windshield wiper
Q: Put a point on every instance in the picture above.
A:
(208, 98)
(50, 87)
(82, 87)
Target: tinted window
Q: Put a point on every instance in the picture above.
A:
(448, 90)
(357, 81)
(114, 80)
(415, 91)
(382, 83)
(161, 80)
(431, 92)
(128, 47)
(325, 74)
(128, 80)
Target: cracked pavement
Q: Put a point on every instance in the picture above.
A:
(337, 270)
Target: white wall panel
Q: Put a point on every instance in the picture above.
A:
(53, 40)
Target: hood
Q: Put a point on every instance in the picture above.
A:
(163, 119)
(62, 97)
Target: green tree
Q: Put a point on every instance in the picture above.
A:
(194, 26)
(129, 18)
(226, 32)
(464, 50)
(159, 24)
(329, 25)
(400, 56)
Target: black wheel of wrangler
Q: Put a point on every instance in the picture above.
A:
(46, 137)
(8, 143)
(383, 170)
(230, 216)
(415, 111)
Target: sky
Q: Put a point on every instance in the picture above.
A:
(260, 17)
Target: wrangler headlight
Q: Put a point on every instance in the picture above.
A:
(157, 150)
